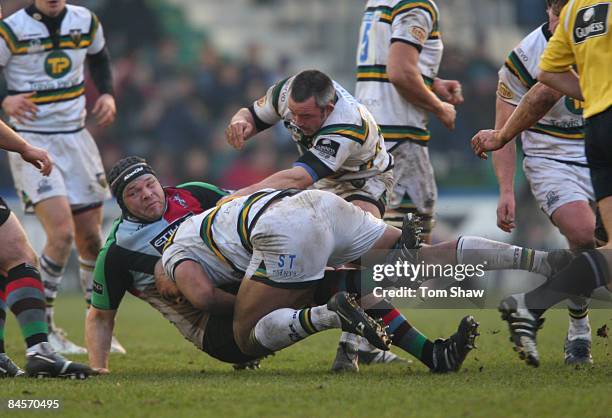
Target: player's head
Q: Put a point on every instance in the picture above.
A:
(311, 100)
(50, 7)
(137, 189)
(553, 9)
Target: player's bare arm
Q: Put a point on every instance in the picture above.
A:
(533, 106)
(38, 157)
(98, 334)
(194, 284)
(567, 83)
(240, 128)
(292, 178)
(448, 90)
(404, 73)
(504, 164)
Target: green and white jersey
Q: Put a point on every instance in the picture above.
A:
(52, 66)
(415, 22)
(560, 133)
(348, 146)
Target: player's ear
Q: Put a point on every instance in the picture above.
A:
(329, 108)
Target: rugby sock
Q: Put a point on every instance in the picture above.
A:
(395, 217)
(403, 334)
(500, 256)
(579, 326)
(51, 273)
(284, 327)
(2, 311)
(25, 297)
(581, 277)
(86, 268)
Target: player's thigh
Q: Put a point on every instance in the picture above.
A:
(256, 299)
(19, 251)
(576, 221)
(414, 176)
(55, 217)
(87, 229)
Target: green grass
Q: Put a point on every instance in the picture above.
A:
(164, 375)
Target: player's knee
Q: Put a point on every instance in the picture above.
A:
(91, 244)
(62, 235)
(580, 237)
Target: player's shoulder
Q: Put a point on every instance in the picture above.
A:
(403, 6)
(347, 109)
(535, 42)
(17, 20)
(79, 11)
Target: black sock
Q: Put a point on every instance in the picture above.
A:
(2, 310)
(581, 277)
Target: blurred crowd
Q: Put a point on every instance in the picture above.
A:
(175, 94)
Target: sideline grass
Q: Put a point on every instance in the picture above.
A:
(163, 375)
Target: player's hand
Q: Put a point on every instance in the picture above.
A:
(237, 132)
(39, 158)
(105, 110)
(506, 208)
(486, 140)
(447, 115)
(20, 106)
(448, 90)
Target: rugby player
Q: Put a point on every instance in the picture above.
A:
(20, 284)
(341, 148)
(342, 152)
(43, 50)
(398, 57)
(554, 161)
(150, 215)
(277, 244)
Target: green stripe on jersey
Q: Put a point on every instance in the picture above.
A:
(102, 300)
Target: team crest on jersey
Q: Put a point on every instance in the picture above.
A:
(504, 91)
(35, 45)
(179, 200)
(591, 21)
(57, 64)
(573, 105)
(419, 34)
(98, 288)
(76, 35)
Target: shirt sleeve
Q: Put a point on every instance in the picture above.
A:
(558, 56)
(111, 278)
(265, 111)
(327, 155)
(97, 36)
(413, 27)
(5, 50)
(510, 89)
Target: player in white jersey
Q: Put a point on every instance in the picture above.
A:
(398, 58)
(342, 150)
(277, 244)
(43, 50)
(554, 161)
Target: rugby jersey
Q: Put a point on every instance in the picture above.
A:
(52, 66)
(560, 133)
(415, 22)
(348, 146)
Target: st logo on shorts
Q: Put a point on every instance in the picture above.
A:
(591, 21)
(57, 64)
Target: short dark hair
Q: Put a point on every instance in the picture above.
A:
(313, 83)
(556, 5)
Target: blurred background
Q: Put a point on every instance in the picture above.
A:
(183, 67)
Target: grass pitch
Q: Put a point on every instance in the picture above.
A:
(164, 375)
